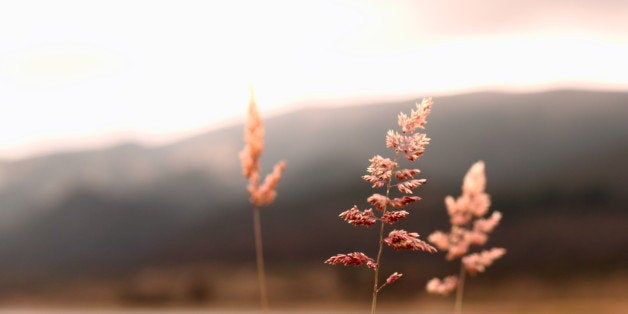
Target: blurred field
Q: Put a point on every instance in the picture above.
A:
(578, 294)
(575, 306)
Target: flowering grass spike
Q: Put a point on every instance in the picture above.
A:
(468, 228)
(259, 194)
(384, 173)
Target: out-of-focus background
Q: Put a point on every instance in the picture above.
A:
(120, 124)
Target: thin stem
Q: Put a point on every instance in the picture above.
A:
(460, 290)
(382, 286)
(381, 244)
(376, 272)
(259, 252)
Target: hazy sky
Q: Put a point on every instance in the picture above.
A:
(89, 73)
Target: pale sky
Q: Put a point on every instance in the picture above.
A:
(79, 74)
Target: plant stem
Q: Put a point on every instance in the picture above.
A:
(259, 252)
(460, 290)
(376, 272)
(381, 244)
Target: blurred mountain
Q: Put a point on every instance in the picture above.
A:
(556, 167)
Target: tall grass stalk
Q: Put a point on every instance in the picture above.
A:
(259, 259)
(460, 290)
(380, 174)
(260, 194)
(468, 228)
(380, 247)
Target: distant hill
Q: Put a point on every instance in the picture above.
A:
(556, 166)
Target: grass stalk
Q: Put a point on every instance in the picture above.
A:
(460, 290)
(376, 272)
(259, 257)
(381, 246)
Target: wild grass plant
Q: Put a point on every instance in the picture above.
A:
(468, 228)
(260, 194)
(387, 175)
(468, 225)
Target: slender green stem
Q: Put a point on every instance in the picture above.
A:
(460, 290)
(259, 252)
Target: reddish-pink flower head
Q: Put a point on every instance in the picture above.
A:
(402, 240)
(352, 259)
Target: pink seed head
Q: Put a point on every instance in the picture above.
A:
(393, 277)
(402, 240)
(444, 287)
(391, 217)
(359, 218)
(477, 262)
(352, 259)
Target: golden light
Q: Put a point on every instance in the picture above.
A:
(165, 70)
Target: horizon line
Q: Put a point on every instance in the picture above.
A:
(110, 140)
